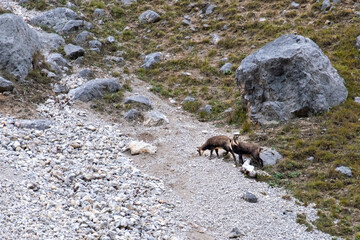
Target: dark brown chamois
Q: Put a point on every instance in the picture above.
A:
(243, 148)
(216, 143)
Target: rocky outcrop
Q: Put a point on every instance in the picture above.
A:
(62, 20)
(287, 78)
(95, 89)
(73, 51)
(18, 43)
(50, 41)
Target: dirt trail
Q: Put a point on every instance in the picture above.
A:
(208, 192)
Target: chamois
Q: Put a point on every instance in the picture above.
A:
(216, 143)
(243, 148)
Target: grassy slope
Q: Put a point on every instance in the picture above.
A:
(333, 139)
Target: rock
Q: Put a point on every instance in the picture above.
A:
(208, 9)
(133, 114)
(249, 197)
(99, 13)
(73, 26)
(206, 109)
(95, 89)
(83, 37)
(58, 63)
(62, 20)
(74, 51)
(59, 88)
(235, 233)
(50, 41)
(39, 124)
(325, 5)
(310, 158)
(137, 147)
(149, 16)
(154, 118)
(110, 39)
(151, 59)
(358, 42)
(269, 156)
(139, 100)
(95, 44)
(86, 73)
(215, 38)
(188, 99)
(128, 2)
(226, 68)
(17, 47)
(6, 85)
(294, 5)
(287, 78)
(344, 170)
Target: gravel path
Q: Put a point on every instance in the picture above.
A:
(73, 181)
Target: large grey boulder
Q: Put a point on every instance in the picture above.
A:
(287, 78)
(5, 85)
(95, 89)
(62, 20)
(149, 16)
(151, 59)
(18, 43)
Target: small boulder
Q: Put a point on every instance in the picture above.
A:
(95, 89)
(73, 26)
(249, 197)
(151, 59)
(154, 118)
(86, 73)
(133, 114)
(50, 41)
(226, 68)
(39, 124)
(74, 51)
(269, 156)
(207, 109)
(235, 233)
(294, 5)
(138, 100)
(149, 17)
(95, 44)
(215, 38)
(6, 85)
(137, 147)
(57, 62)
(83, 37)
(99, 13)
(344, 170)
(128, 2)
(188, 99)
(325, 5)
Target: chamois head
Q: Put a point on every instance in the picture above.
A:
(200, 151)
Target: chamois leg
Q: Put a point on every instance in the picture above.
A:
(217, 152)
(241, 159)
(211, 151)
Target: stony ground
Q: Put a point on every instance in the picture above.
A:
(76, 181)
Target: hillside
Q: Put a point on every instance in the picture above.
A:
(195, 39)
